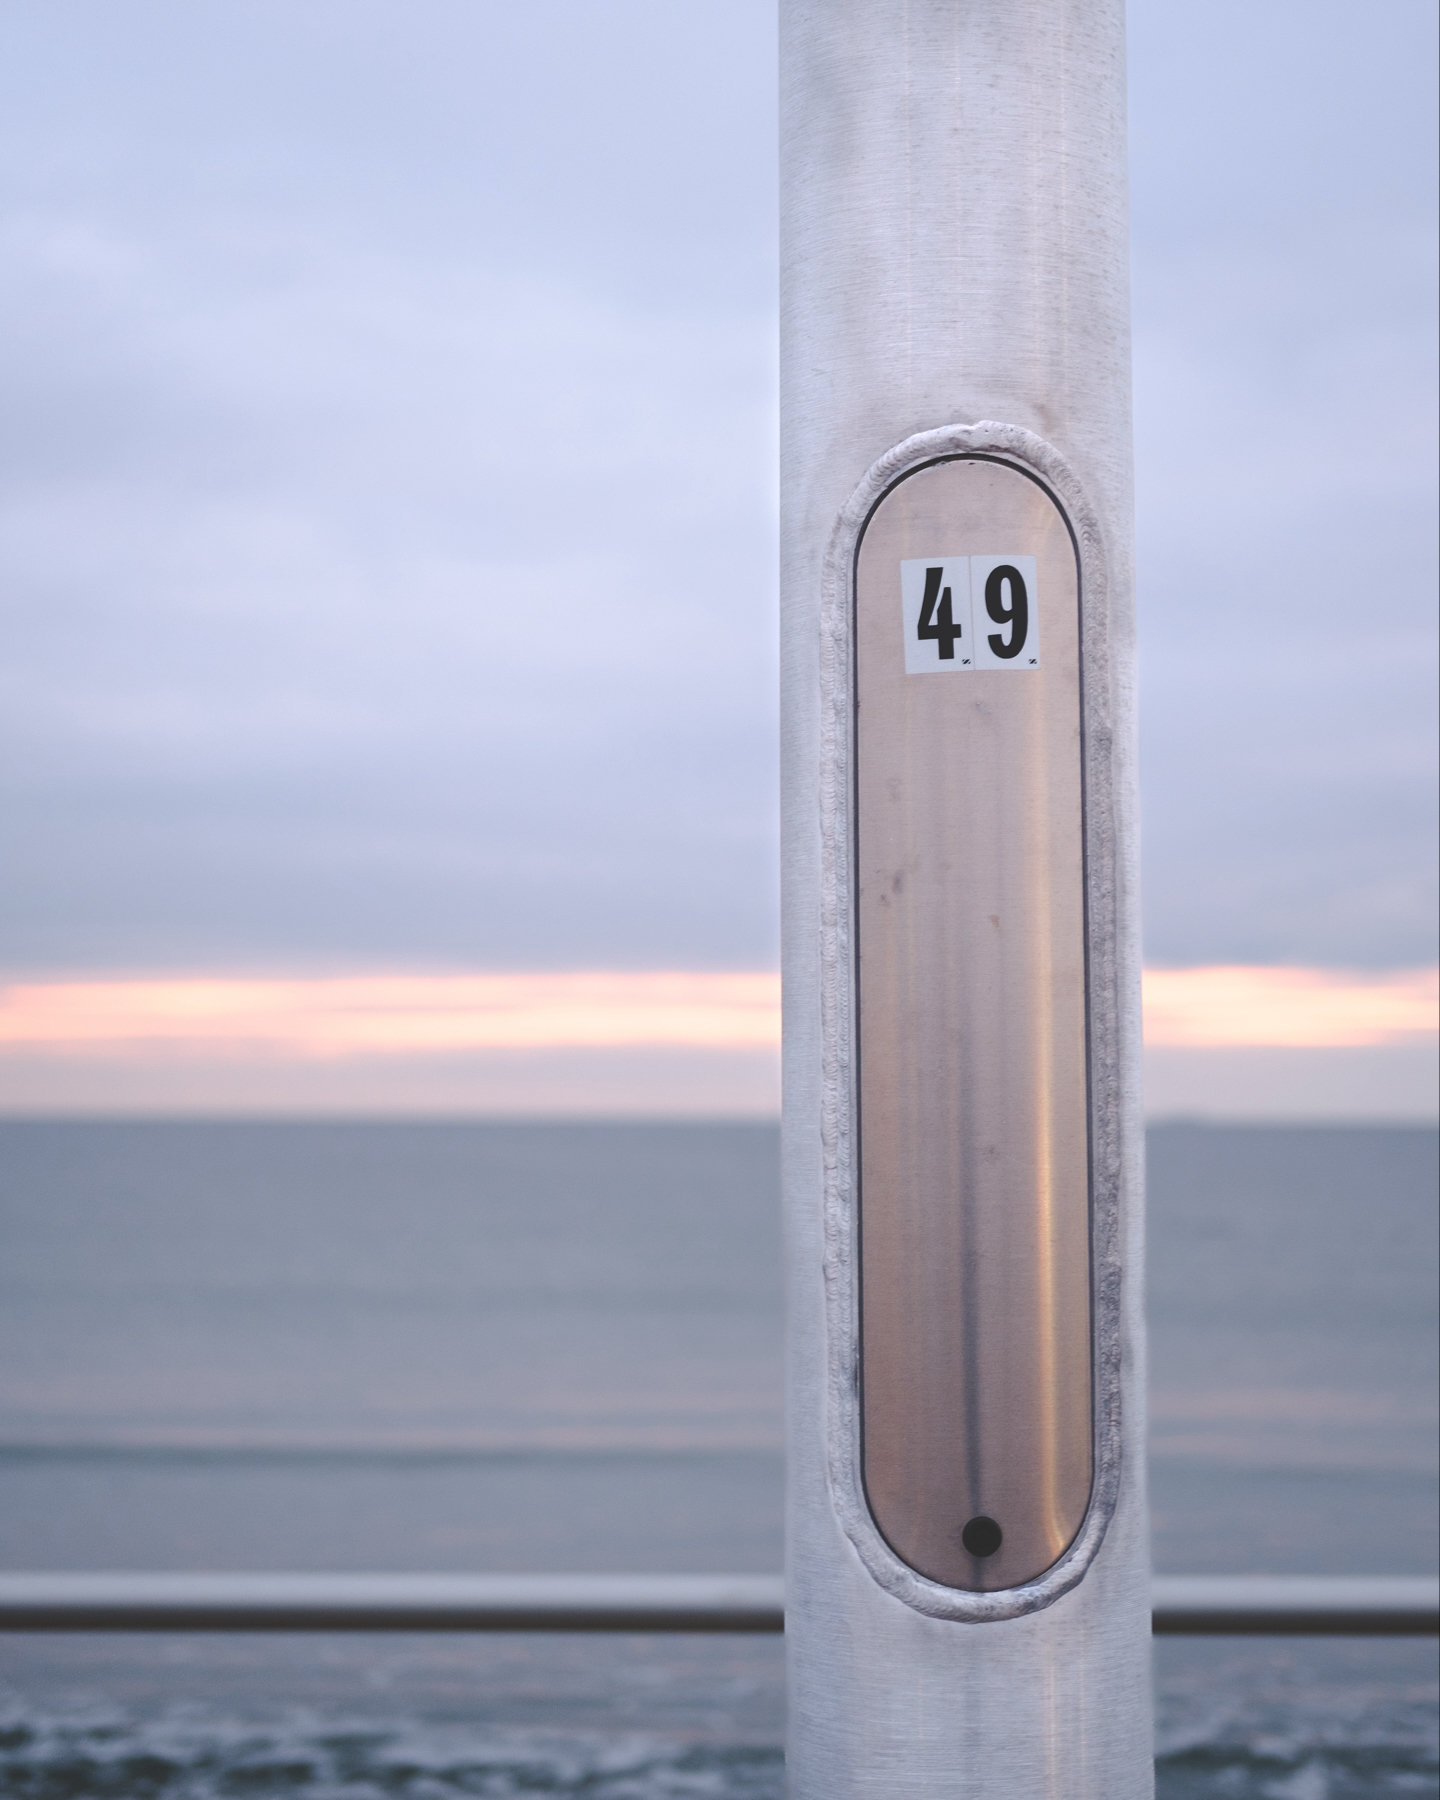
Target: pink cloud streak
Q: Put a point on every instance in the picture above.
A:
(399, 1015)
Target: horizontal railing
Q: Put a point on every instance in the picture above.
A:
(1335, 1605)
(1296, 1605)
(166, 1602)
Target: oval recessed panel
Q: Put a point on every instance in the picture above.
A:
(970, 934)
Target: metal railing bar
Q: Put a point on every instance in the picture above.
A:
(1296, 1605)
(1329, 1605)
(292, 1602)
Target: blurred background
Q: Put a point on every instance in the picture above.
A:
(388, 922)
(389, 539)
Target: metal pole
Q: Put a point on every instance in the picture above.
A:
(967, 1602)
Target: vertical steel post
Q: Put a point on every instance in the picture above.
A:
(967, 1572)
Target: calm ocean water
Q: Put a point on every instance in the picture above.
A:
(386, 1346)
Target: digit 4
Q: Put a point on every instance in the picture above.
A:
(938, 623)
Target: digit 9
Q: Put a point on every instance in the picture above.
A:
(1016, 615)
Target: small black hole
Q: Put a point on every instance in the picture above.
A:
(982, 1536)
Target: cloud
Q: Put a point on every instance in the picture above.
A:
(365, 1015)
(1310, 1008)
(375, 582)
(362, 1014)
(1285, 427)
(1229, 1042)
(388, 540)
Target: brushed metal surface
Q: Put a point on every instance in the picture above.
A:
(974, 1155)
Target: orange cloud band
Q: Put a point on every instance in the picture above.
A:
(400, 1014)
(1296, 1007)
(406, 1015)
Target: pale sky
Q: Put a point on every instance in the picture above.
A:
(388, 527)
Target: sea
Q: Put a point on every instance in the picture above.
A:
(376, 1345)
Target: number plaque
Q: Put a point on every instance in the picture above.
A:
(974, 1196)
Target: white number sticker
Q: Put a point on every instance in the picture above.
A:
(963, 613)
